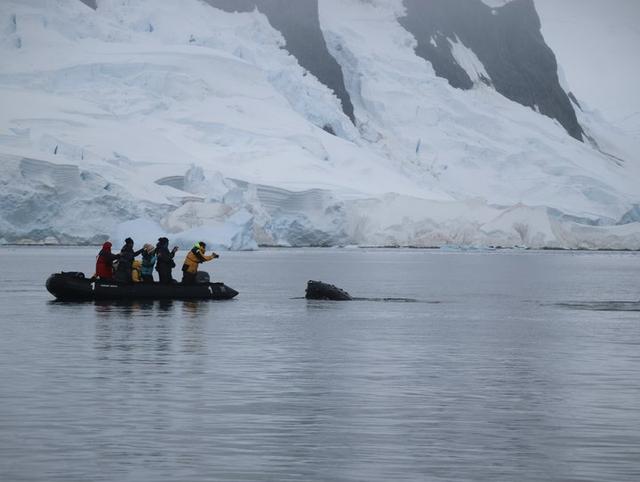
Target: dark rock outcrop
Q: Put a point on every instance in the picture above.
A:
(507, 40)
(299, 23)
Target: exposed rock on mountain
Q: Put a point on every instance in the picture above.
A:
(299, 24)
(506, 41)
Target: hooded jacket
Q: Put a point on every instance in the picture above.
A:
(164, 257)
(148, 261)
(104, 262)
(136, 272)
(194, 258)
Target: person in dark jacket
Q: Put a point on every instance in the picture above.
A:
(164, 262)
(127, 255)
(104, 262)
(192, 261)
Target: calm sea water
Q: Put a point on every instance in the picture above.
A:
(512, 375)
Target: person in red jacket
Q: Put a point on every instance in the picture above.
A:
(104, 263)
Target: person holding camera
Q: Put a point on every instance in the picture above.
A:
(164, 261)
(194, 258)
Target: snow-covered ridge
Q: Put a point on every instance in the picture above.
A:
(147, 118)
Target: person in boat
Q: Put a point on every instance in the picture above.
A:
(164, 260)
(136, 271)
(104, 262)
(194, 258)
(148, 263)
(127, 255)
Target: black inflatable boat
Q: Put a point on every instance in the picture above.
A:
(76, 287)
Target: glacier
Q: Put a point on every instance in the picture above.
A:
(149, 118)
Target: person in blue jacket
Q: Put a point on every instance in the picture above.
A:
(148, 263)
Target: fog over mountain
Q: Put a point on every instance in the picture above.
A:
(314, 122)
(596, 43)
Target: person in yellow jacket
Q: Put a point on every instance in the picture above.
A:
(193, 259)
(136, 271)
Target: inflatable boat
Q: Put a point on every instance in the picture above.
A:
(74, 286)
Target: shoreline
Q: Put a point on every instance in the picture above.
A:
(446, 248)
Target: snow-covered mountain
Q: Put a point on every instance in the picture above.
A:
(319, 122)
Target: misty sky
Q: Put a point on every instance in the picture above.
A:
(596, 43)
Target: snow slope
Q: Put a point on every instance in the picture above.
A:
(152, 117)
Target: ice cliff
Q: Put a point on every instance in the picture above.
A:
(247, 128)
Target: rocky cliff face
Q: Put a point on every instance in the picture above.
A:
(506, 40)
(299, 24)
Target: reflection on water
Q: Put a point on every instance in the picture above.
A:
(603, 306)
(161, 308)
(324, 305)
(196, 309)
(127, 308)
(121, 326)
(499, 381)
